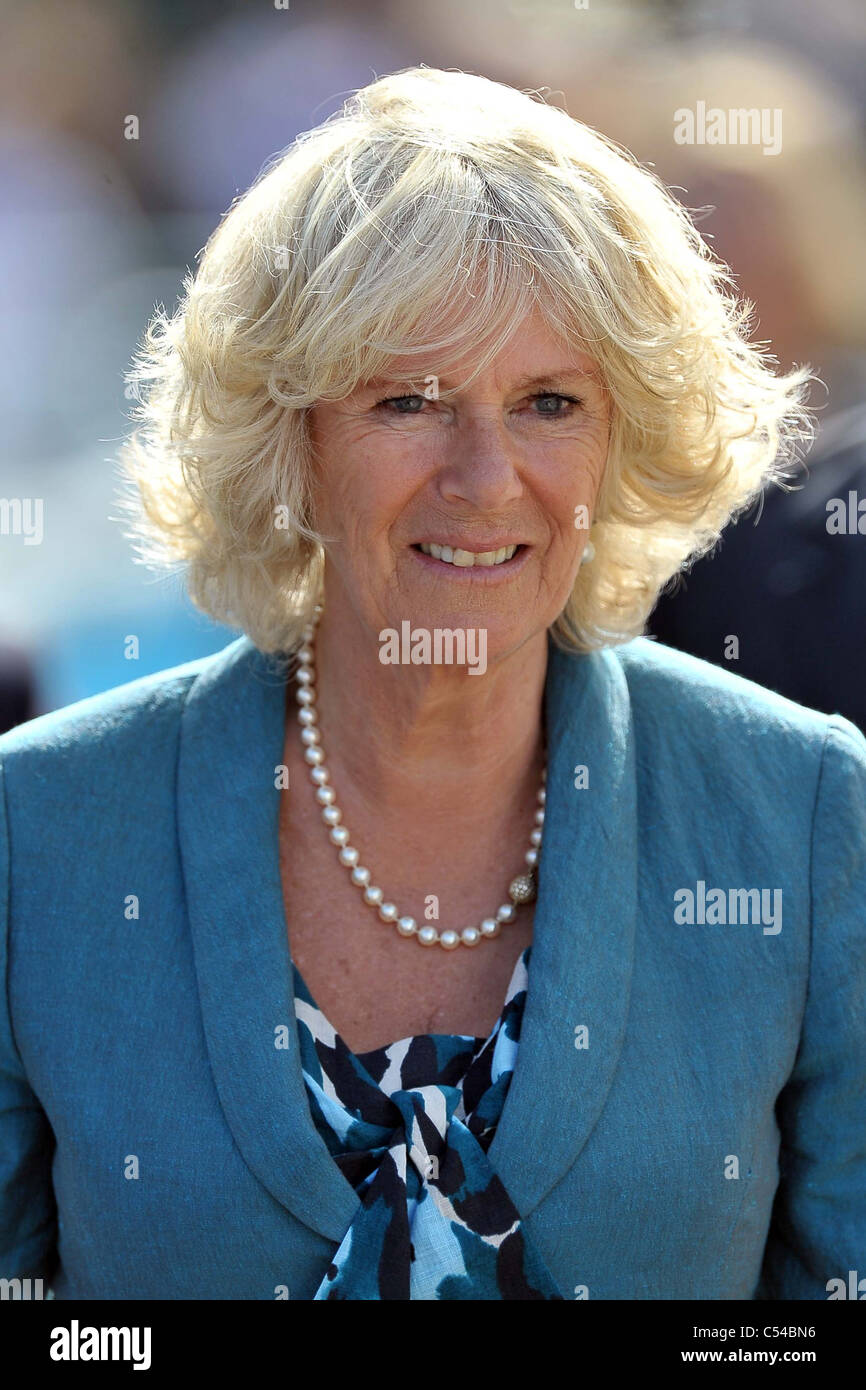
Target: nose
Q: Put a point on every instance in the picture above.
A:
(481, 463)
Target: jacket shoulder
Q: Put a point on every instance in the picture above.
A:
(667, 686)
(104, 723)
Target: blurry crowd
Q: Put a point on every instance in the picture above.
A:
(126, 129)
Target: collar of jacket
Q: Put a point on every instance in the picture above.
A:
(231, 744)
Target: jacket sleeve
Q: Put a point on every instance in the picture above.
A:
(818, 1230)
(28, 1214)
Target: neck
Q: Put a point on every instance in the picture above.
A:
(431, 736)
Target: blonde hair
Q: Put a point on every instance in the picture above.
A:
(429, 191)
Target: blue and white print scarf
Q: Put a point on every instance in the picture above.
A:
(410, 1125)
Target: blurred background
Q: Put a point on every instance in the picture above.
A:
(126, 129)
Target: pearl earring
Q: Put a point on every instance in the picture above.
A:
(588, 553)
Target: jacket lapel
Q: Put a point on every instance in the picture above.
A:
(583, 933)
(228, 820)
(580, 971)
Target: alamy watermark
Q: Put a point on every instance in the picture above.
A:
(854, 1287)
(21, 1290)
(77, 1343)
(22, 516)
(718, 907)
(438, 646)
(739, 126)
(846, 518)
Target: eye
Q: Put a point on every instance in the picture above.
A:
(413, 404)
(556, 396)
(399, 401)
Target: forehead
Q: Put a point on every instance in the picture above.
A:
(533, 352)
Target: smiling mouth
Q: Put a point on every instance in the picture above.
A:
(470, 559)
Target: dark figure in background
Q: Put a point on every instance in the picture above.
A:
(17, 698)
(792, 590)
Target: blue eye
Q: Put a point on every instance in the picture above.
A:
(399, 400)
(414, 403)
(556, 396)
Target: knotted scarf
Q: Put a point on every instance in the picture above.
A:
(410, 1126)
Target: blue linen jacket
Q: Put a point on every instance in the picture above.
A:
(687, 1118)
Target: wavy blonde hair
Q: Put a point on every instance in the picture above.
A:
(431, 191)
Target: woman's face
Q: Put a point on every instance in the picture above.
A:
(511, 460)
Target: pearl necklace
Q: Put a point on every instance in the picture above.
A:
(522, 889)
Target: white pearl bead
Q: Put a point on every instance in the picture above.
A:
(388, 912)
(361, 877)
(373, 896)
(407, 926)
(314, 755)
(539, 817)
(339, 835)
(428, 936)
(304, 677)
(470, 936)
(489, 927)
(332, 815)
(310, 736)
(535, 837)
(531, 857)
(449, 939)
(325, 795)
(542, 796)
(305, 656)
(305, 696)
(505, 913)
(320, 776)
(348, 856)
(307, 717)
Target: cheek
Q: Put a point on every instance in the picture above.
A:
(341, 483)
(382, 477)
(575, 483)
(594, 464)
(361, 496)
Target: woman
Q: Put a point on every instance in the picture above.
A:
(456, 389)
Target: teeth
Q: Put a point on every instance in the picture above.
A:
(465, 559)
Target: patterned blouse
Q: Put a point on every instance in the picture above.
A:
(410, 1125)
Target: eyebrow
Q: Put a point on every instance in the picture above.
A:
(550, 378)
